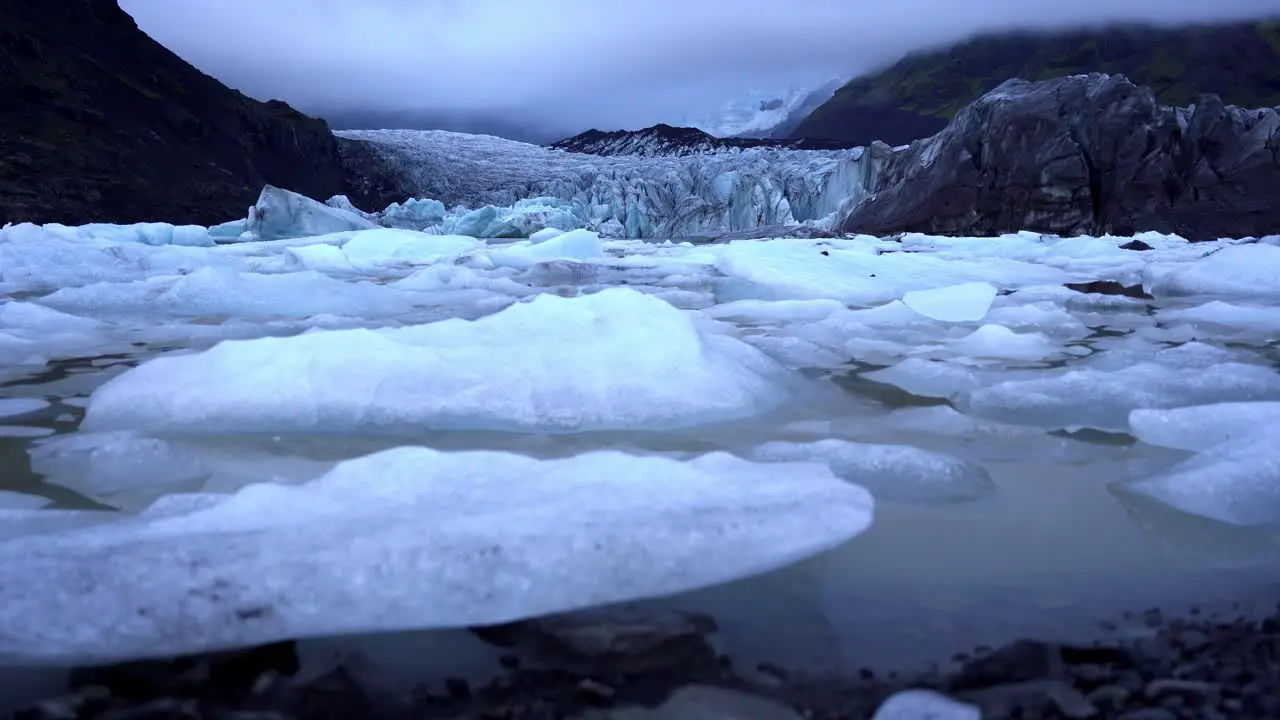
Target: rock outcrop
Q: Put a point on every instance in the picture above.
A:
(99, 122)
(669, 141)
(1086, 154)
(917, 96)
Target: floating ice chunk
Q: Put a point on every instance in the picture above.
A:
(1103, 400)
(573, 245)
(15, 407)
(1200, 427)
(617, 359)
(1000, 343)
(1236, 482)
(545, 234)
(966, 302)
(281, 214)
(1245, 271)
(894, 473)
(10, 500)
(926, 378)
(925, 705)
(413, 538)
(105, 465)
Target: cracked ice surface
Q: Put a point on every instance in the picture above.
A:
(574, 401)
(504, 182)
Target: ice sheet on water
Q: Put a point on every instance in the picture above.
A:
(893, 473)
(573, 245)
(927, 378)
(617, 359)
(997, 342)
(1239, 271)
(850, 271)
(104, 466)
(762, 312)
(1235, 482)
(1260, 319)
(966, 302)
(10, 500)
(214, 291)
(413, 538)
(17, 407)
(1102, 400)
(1200, 427)
(24, 431)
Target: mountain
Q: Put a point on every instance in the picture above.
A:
(99, 122)
(665, 140)
(763, 114)
(917, 96)
(1083, 155)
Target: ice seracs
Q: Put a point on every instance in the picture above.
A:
(614, 360)
(411, 538)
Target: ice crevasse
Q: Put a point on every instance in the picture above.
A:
(524, 188)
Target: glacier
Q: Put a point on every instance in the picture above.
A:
(502, 188)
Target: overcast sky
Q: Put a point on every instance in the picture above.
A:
(585, 63)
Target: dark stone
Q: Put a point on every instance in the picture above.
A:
(665, 140)
(1090, 154)
(100, 123)
(1109, 287)
(1018, 662)
(1136, 245)
(231, 674)
(614, 641)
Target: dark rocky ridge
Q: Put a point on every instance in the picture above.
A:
(1084, 155)
(917, 96)
(100, 123)
(665, 140)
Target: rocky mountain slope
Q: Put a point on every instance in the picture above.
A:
(665, 140)
(101, 123)
(1086, 154)
(916, 97)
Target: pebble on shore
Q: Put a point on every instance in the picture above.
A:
(619, 665)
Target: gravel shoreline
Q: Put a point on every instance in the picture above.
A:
(626, 666)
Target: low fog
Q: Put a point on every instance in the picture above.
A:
(573, 64)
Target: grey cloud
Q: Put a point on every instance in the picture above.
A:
(580, 63)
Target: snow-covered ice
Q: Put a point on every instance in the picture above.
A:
(615, 360)
(506, 537)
